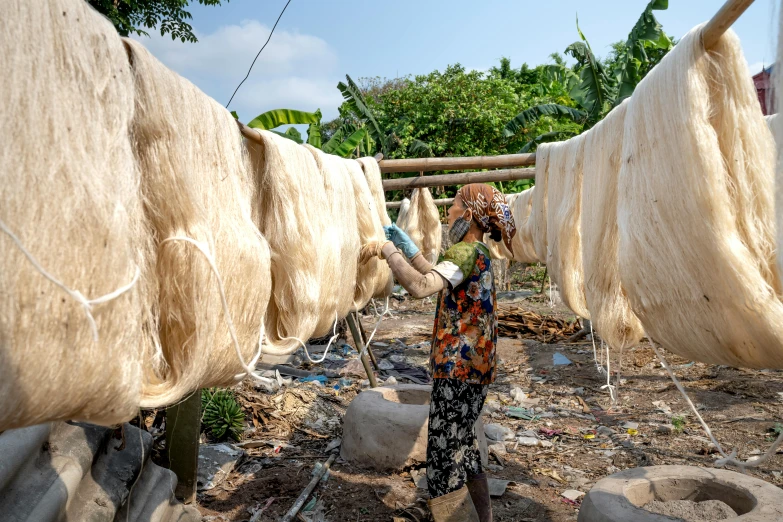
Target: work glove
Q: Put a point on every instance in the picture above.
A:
(401, 240)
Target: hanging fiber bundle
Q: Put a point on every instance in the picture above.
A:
(373, 173)
(422, 223)
(497, 249)
(538, 210)
(522, 244)
(289, 208)
(71, 222)
(384, 280)
(402, 215)
(695, 209)
(339, 262)
(610, 311)
(197, 191)
(563, 227)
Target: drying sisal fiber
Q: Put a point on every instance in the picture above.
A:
(68, 194)
(695, 209)
(372, 172)
(197, 186)
(563, 227)
(522, 243)
(537, 220)
(402, 215)
(610, 312)
(422, 224)
(497, 249)
(373, 277)
(289, 209)
(339, 260)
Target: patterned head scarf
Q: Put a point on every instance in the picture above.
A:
(489, 209)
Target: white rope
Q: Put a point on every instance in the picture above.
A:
(608, 385)
(727, 459)
(598, 366)
(226, 311)
(375, 329)
(76, 295)
(328, 345)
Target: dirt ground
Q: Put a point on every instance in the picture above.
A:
(589, 437)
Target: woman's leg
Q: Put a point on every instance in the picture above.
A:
(452, 449)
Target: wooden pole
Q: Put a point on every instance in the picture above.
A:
(462, 178)
(457, 163)
(306, 493)
(183, 428)
(369, 348)
(445, 202)
(357, 339)
(723, 19)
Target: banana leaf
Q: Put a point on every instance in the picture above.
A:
(277, 117)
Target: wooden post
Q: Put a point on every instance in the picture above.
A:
(357, 339)
(462, 178)
(457, 163)
(443, 202)
(723, 19)
(183, 429)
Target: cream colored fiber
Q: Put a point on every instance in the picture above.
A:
(696, 209)
(68, 192)
(196, 185)
(339, 260)
(290, 208)
(610, 311)
(537, 221)
(563, 228)
(422, 224)
(402, 215)
(522, 243)
(384, 280)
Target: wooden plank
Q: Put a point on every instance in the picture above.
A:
(457, 163)
(183, 429)
(463, 178)
(438, 203)
(723, 19)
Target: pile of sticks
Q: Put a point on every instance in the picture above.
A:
(526, 324)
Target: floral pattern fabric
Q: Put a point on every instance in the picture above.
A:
(465, 331)
(452, 448)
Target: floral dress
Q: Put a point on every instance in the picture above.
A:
(466, 328)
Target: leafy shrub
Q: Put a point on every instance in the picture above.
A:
(222, 415)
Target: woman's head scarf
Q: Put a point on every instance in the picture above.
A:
(489, 209)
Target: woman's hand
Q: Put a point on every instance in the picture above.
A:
(401, 240)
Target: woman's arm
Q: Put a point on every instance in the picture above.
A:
(417, 283)
(420, 263)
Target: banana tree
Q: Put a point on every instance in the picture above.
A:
(595, 88)
(358, 105)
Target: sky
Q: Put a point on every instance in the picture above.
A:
(317, 43)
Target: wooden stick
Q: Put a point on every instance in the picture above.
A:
(457, 163)
(306, 493)
(183, 426)
(438, 203)
(723, 19)
(462, 178)
(249, 133)
(357, 339)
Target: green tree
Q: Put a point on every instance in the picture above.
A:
(133, 16)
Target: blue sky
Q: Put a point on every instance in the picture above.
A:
(318, 42)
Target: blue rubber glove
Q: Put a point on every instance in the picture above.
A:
(401, 240)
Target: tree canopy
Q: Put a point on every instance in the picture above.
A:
(168, 16)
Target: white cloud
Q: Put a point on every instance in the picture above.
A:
(296, 71)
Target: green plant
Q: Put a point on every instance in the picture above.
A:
(775, 432)
(678, 423)
(222, 415)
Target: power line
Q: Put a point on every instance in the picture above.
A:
(259, 54)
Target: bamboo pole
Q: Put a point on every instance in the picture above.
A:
(457, 163)
(462, 178)
(723, 19)
(306, 493)
(438, 203)
(357, 339)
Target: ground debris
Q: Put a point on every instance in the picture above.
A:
(521, 323)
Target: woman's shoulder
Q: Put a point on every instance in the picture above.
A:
(464, 255)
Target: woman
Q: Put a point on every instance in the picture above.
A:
(462, 357)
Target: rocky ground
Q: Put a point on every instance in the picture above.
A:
(563, 432)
